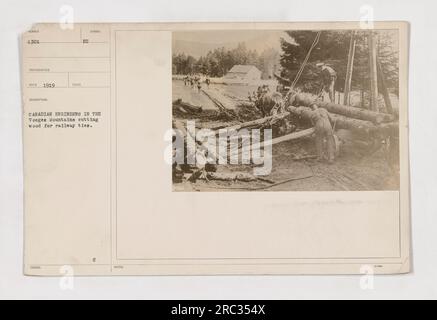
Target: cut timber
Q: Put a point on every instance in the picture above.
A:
(359, 126)
(287, 137)
(254, 123)
(221, 102)
(187, 106)
(232, 176)
(179, 108)
(290, 136)
(245, 103)
(258, 122)
(385, 93)
(373, 71)
(219, 98)
(348, 111)
(391, 129)
(350, 68)
(341, 122)
(178, 125)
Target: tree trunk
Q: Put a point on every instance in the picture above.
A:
(288, 137)
(291, 136)
(259, 122)
(351, 112)
(385, 92)
(340, 122)
(362, 127)
(373, 72)
(350, 67)
(219, 99)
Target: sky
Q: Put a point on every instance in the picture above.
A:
(198, 43)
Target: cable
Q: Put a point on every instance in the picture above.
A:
(298, 75)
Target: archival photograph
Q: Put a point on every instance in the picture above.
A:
(292, 110)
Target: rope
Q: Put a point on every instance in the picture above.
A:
(298, 75)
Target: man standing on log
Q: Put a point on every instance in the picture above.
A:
(325, 141)
(329, 77)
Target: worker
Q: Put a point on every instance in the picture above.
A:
(207, 81)
(325, 141)
(329, 77)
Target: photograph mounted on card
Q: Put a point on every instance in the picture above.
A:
(216, 148)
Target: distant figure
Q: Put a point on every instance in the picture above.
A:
(207, 81)
(329, 77)
(267, 102)
(325, 141)
(262, 90)
(199, 86)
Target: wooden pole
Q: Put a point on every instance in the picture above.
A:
(385, 93)
(288, 137)
(350, 67)
(373, 72)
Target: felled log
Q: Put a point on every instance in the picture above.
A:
(225, 110)
(389, 129)
(288, 137)
(252, 124)
(187, 106)
(179, 108)
(348, 111)
(199, 145)
(219, 98)
(246, 104)
(258, 122)
(340, 122)
(232, 176)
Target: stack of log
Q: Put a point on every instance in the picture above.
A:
(365, 122)
(355, 119)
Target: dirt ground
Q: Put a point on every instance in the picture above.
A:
(356, 168)
(352, 171)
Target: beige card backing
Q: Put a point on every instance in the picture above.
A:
(99, 198)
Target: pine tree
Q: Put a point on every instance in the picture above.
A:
(332, 49)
